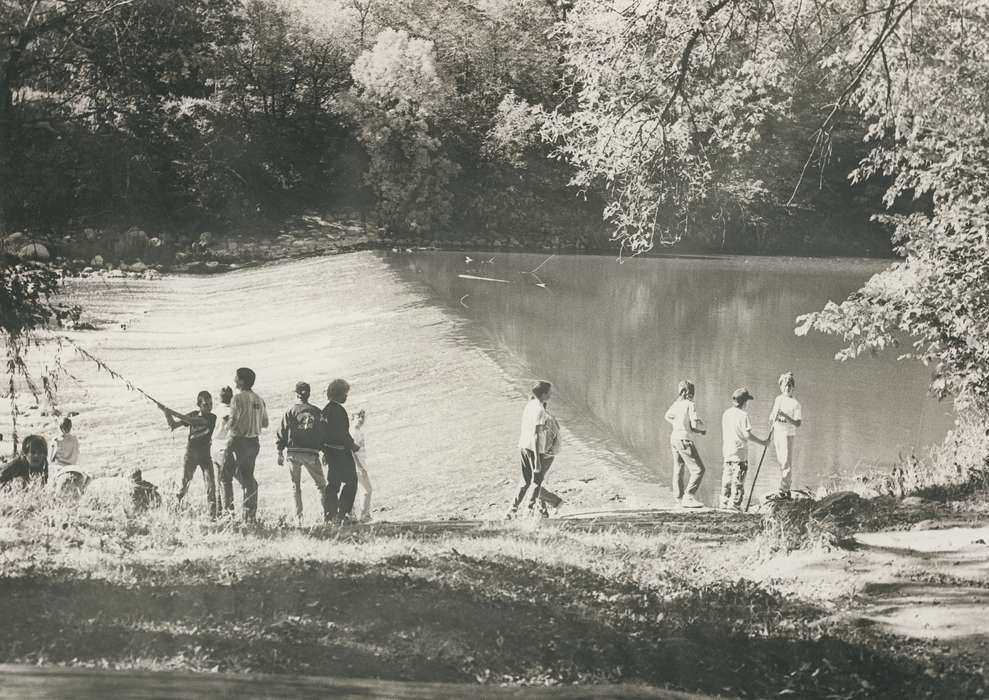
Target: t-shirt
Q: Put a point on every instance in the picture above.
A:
(735, 429)
(222, 422)
(201, 435)
(791, 407)
(67, 449)
(533, 415)
(248, 415)
(680, 415)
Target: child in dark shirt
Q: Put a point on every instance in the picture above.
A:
(32, 462)
(198, 450)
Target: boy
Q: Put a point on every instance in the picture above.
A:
(248, 417)
(736, 431)
(31, 463)
(531, 435)
(682, 415)
(363, 480)
(339, 449)
(785, 419)
(66, 448)
(220, 443)
(301, 435)
(198, 450)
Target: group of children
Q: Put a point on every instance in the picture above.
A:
(33, 460)
(736, 432)
(308, 438)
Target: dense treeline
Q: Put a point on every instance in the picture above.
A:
(219, 113)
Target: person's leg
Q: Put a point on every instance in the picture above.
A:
(205, 464)
(347, 496)
(678, 466)
(294, 461)
(218, 480)
(312, 464)
(783, 442)
(331, 495)
(727, 479)
(188, 472)
(228, 472)
(695, 467)
(364, 482)
(738, 484)
(545, 462)
(245, 470)
(526, 460)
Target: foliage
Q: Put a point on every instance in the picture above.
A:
(928, 108)
(398, 92)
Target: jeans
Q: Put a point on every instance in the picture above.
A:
(686, 458)
(238, 463)
(341, 485)
(531, 474)
(733, 484)
(297, 459)
(784, 455)
(198, 457)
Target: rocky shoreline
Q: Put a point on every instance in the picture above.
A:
(136, 254)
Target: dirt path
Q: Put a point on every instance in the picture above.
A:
(920, 584)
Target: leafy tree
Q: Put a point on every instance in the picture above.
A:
(398, 94)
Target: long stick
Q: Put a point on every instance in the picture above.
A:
(113, 373)
(765, 449)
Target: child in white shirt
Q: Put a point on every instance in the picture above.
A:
(363, 480)
(786, 418)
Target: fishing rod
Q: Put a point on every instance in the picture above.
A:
(765, 449)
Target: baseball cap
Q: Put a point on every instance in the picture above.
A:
(302, 388)
(741, 394)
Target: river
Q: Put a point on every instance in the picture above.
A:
(442, 363)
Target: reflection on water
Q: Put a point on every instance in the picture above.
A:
(615, 338)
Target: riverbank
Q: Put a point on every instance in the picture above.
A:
(674, 600)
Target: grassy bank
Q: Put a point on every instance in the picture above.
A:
(656, 599)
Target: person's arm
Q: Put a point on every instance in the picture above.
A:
(176, 419)
(234, 417)
(754, 438)
(264, 414)
(670, 418)
(696, 424)
(10, 470)
(794, 417)
(281, 437)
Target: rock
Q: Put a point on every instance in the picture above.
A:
(205, 239)
(836, 504)
(131, 244)
(88, 270)
(15, 241)
(154, 242)
(181, 257)
(139, 267)
(914, 502)
(97, 261)
(116, 274)
(926, 525)
(152, 275)
(212, 265)
(90, 234)
(33, 251)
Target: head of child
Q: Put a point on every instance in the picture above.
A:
(740, 397)
(244, 378)
(302, 391)
(35, 450)
(226, 395)
(787, 383)
(205, 401)
(359, 417)
(338, 390)
(542, 391)
(65, 426)
(685, 390)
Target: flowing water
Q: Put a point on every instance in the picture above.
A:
(443, 362)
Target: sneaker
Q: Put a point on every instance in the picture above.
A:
(689, 501)
(512, 514)
(365, 518)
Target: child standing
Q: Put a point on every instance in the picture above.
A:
(785, 419)
(66, 450)
(682, 415)
(736, 431)
(198, 450)
(363, 480)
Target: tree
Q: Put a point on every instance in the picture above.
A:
(398, 94)
(670, 105)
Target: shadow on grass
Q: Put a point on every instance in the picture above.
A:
(451, 618)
